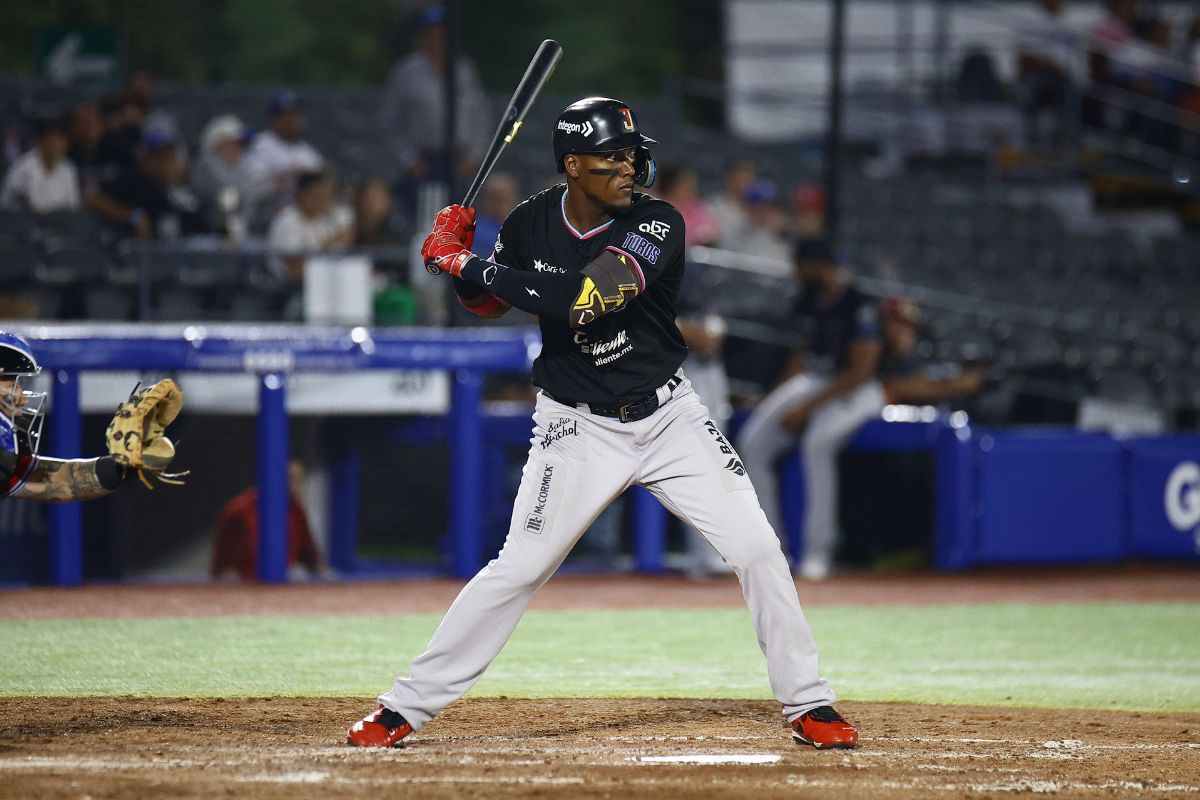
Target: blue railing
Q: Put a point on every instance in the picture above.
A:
(1044, 496)
(271, 352)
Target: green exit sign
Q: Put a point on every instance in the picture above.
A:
(80, 56)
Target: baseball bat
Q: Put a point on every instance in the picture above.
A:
(536, 75)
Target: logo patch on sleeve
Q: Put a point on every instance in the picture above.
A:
(641, 247)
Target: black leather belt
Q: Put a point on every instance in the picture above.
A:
(630, 412)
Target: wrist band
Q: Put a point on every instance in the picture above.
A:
(110, 474)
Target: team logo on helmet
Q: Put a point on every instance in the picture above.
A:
(627, 124)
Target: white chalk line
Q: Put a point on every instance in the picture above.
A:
(287, 777)
(708, 758)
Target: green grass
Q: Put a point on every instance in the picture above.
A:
(1128, 656)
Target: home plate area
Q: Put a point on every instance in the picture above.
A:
(579, 747)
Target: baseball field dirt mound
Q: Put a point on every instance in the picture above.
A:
(583, 748)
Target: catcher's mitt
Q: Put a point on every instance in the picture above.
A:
(136, 437)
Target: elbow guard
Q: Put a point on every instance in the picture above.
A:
(486, 305)
(609, 282)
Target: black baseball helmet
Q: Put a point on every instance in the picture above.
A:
(602, 125)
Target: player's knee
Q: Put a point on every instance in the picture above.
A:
(520, 575)
(757, 550)
(755, 543)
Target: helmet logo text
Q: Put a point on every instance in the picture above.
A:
(584, 127)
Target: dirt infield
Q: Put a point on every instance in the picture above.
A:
(1123, 582)
(140, 747)
(580, 748)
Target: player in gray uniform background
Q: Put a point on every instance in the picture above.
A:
(600, 265)
(860, 358)
(829, 389)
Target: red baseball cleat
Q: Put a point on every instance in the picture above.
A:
(381, 728)
(824, 727)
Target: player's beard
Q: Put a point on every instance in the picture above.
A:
(612, 209)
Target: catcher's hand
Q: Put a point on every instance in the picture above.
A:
(136, 436)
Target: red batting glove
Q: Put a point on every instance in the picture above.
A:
(446, 252)
(458, 220)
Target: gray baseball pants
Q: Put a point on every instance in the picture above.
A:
(579, 463)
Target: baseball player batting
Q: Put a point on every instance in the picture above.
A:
(600, 264)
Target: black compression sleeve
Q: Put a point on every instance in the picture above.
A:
(111, 474)
(538, 294)
(467, 291)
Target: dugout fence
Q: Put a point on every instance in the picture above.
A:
(1048, 495)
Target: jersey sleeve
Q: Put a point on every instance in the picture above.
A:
(508, 248)
(652, 239)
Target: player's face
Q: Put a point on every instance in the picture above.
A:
(12, 397)
(901, 336)
(607, 179)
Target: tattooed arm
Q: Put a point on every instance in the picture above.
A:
(59, 480)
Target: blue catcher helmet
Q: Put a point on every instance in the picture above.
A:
(21, 411)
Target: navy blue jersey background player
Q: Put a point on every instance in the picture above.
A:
(24, 473)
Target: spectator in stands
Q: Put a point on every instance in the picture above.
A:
(279, 154)
(373, 227)
(763, 234)
(500, 196)
(680, 187)
(1152, 73)
(395, 302)
(1189, 97)
(1116, 26)
(224, 186)
(123, 120)
(729, 208)
(141, 86)
(808, 212)
(85, 127)
(1048, 52)
(1108, 45)
(312, 223)
(43, 179)
(152, 199)
(977, 81)
(1191, 50)
(413, 111)
(235, 538)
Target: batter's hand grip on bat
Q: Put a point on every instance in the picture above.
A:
(536, 75)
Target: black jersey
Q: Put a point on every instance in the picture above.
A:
(831, 326)
(621, 356)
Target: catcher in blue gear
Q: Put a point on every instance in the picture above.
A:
(25, 474)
